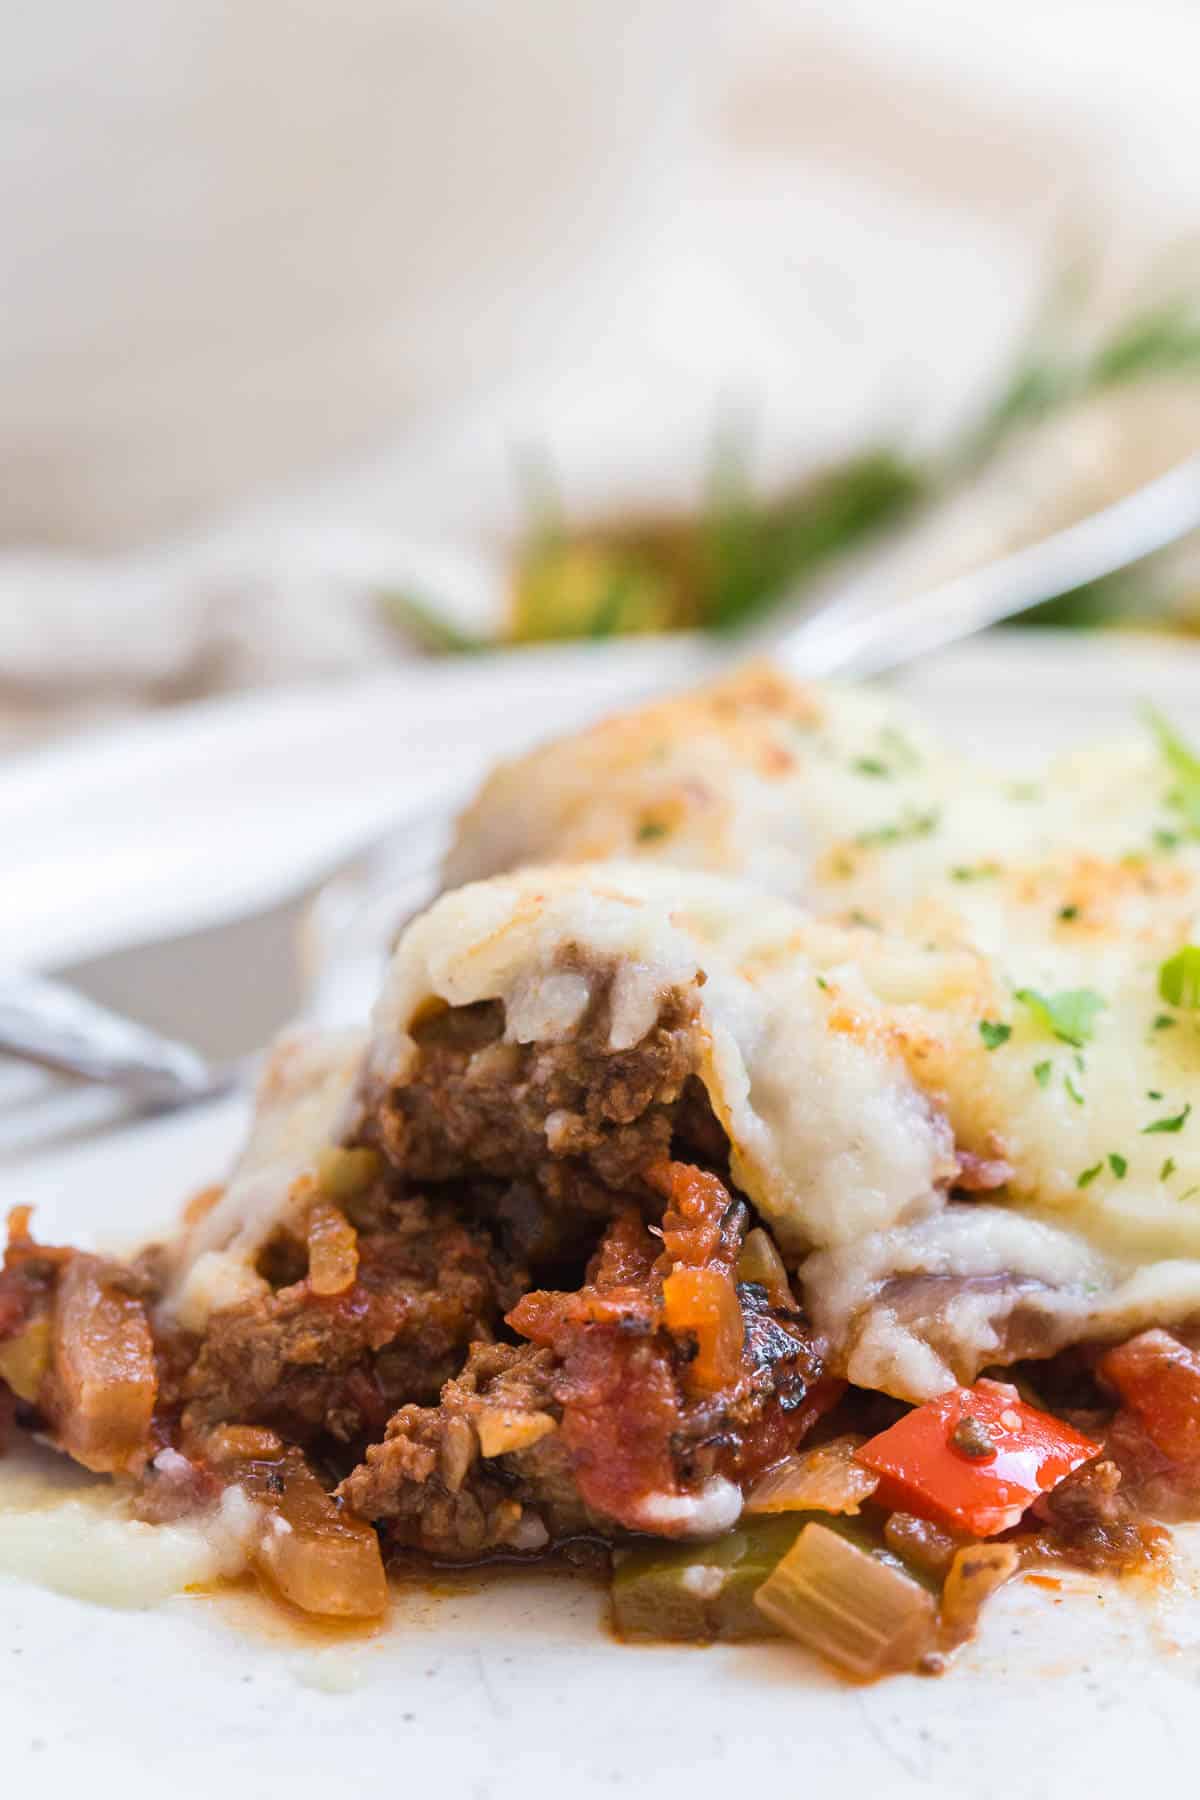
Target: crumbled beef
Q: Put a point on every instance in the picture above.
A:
(442, 1482)
(538, 1115)
(427, 1287)
(1088, 1520)
(596, 1421)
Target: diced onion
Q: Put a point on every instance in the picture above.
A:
(320, 1557)
(760, 1262)
(823, 1479)
(24, 1359)
(920, 1543)
(502, 1429)
(975, 1573)
(861, 1614)
(337, 1576)
(332, 1250)
(233, 1443)
(457, 1452)
(103, 1377)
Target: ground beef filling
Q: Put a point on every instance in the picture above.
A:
(557, 1129)
(337, 1366)
(626, 1401)
(553, 1331)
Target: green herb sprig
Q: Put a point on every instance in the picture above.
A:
(1069, 1016)
(724, 562)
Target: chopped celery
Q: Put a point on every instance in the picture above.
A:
(860, 1614)
(701, 1593)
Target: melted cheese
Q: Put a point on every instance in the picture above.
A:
(300, 1099)
(837, 799)
(85, 1544)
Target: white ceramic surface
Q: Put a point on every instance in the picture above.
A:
(515, 1690)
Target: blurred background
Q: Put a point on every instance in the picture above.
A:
(332, 334)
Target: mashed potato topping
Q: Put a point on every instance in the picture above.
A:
(925, 999)
(1084, 879)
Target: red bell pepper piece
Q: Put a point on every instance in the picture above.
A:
(1158, 1379)
(973, 1459)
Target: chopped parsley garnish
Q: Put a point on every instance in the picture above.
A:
(1042, 1072)
(1067, 913)
(902, 751)
(1153, 1094)
(993, 1033)
(1070, 1016)
(650, 830)
(1184, 765)
(1175, 1123)
(1074, 1092)
(975, 871)
(822, 984)
(905, 829)
(1179, 978)
(1188, 1193)
(1163, 1022)
(1167, 1170)
(1086, 1178)
(1118, 1165)
(871, 765)
(1166, 840)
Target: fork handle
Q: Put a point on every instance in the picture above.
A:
(50, 1024)
(870, 630)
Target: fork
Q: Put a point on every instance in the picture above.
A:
(859, 632)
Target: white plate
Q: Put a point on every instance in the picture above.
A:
(514, 1690)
